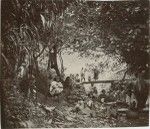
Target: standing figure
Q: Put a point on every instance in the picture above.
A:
(82, 74)
(93, 92)
(89, 78)
(77, 78)
(67, 86)
(96, 73)
(129, 90)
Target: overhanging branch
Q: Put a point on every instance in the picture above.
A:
(40, 52)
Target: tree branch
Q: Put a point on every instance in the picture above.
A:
(6, 60)
(124, 76)
(40, 52)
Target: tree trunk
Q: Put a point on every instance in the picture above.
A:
(49, 60)
(36, 67)
(141, 90)
(3, 104)
(56, 64)
(61, 61)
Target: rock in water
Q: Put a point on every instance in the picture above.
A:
(132, 114)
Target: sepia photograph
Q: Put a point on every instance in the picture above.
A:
(74, 63)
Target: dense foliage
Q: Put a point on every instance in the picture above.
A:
(29, 29)
(119, 29)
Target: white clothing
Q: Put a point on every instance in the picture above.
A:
(56, 87)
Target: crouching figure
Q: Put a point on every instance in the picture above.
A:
(56, 87)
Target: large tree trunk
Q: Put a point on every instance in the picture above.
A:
(36, 69)
(49, 60)
(141, 90)
(61, 62)
(3, 104)
(54, 63)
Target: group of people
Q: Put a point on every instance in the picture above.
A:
(56, 85)
(118, 92)
(126, 93)
(82, 78)
(93, 94)
(115, 93)
(78, 78)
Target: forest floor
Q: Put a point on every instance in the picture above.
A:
(62, 113)
(53, 114)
